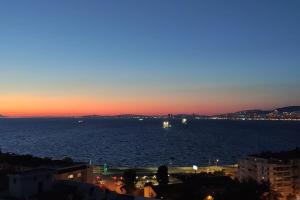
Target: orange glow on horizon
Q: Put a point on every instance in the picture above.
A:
(39, 106)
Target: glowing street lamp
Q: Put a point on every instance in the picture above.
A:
(217, 161)
(195, 168)
(209, 197)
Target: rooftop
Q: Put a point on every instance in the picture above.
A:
(34, 162)
(34, 172)
(70, 169)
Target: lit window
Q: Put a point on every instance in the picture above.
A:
(70, 176)
(79, 175)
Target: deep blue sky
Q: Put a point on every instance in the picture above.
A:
(155, 56)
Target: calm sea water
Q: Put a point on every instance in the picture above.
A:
(130, 142)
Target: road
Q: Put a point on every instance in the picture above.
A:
(229, 170)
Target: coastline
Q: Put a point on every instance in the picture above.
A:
(227, 169)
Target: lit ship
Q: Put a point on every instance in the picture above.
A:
(166, 124)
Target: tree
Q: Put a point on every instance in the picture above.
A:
(163, 180)
(162, 175)
(129, 178)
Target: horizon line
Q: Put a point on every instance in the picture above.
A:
(136, 114)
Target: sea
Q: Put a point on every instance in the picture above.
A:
(144, 143)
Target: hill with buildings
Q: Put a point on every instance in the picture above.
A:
(281, 110)
(283, 113)
(289, 109)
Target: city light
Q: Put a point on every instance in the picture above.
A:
(195, 167)
(166, 124)
(209, 197)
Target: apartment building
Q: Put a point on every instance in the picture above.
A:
(280, 170)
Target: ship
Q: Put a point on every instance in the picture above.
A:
(166, 124)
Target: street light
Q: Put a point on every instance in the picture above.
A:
(209, 197)
(195, 168)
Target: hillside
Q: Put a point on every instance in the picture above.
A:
(283, 109)
(289, 109)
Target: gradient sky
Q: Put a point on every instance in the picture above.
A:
(68, 57)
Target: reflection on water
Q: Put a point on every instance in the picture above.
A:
(133, 142)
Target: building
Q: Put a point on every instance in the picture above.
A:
(149, 192)
(80, 173)
(87, 191)
(23, 185)
(280, 170)
(26, 184)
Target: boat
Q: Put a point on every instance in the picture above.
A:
(166, 124)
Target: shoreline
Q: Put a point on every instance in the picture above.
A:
(227, 169)
(157, 118)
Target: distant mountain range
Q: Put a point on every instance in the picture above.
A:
(289, 112)
(289, 109)
(247, 113)
(284, 113)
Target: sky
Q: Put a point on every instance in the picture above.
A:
(78, 57)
